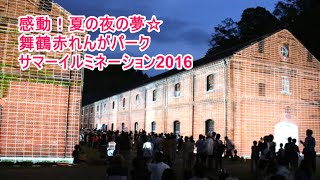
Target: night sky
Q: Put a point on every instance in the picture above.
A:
(187, 24)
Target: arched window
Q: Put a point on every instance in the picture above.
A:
(177, 90)
(285, 50)
(137, 99)
(154, 95)
(153, 126)
(112, 127)
(136, 128)
(209, 126)
(122, 127)
(210, 82)
(176, 127)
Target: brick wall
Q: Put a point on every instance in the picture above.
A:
(258, 114)
(234, 104)
(40, 109)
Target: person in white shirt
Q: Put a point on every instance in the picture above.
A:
(158, 167)
(147, 149)
(208, 150)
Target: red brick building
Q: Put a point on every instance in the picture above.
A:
(266, 86)
(39, 109)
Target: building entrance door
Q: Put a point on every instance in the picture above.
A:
(282, 131)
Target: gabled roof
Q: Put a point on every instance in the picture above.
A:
(205, 60)
(214, 57)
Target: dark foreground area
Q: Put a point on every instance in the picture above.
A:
(240, 170)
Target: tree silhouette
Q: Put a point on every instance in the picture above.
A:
(301, 18)
(225, 35)
(254, 23)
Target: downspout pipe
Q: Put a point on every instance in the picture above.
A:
(226, 88)
(67, 120)
(145, 109)
(193, 88)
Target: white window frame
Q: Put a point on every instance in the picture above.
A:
(285, 85)
(177, 92)
(284, 48)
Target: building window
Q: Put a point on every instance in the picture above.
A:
(124, 102)
(177, 90)
(91, 110)
(137, 99)
(154, 95)
(98, 108)
(82, 112)
(209, 126)
(104, 106)
(285, 50)
(123, 127)
(112, 104)
(45, 5)
(285, 85)
(262, 89)
(309, 57)
(176, 127)
(261, 46)
(210, 82)
(153, 126)
(0, 113)
(112, 127)
(287, 110)
(136, 127)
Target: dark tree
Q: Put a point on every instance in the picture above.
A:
(298, 16)
(256, 22)
(287, 12)
(225, 35)
(301, 18)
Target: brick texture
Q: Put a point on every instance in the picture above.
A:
(239, 106)
(40, 110)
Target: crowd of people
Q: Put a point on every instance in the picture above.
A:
(284, 163)
(156, 154)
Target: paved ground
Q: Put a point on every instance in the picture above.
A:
(91, 172)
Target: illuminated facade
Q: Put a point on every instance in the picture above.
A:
(267, 86)
(39, 110)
